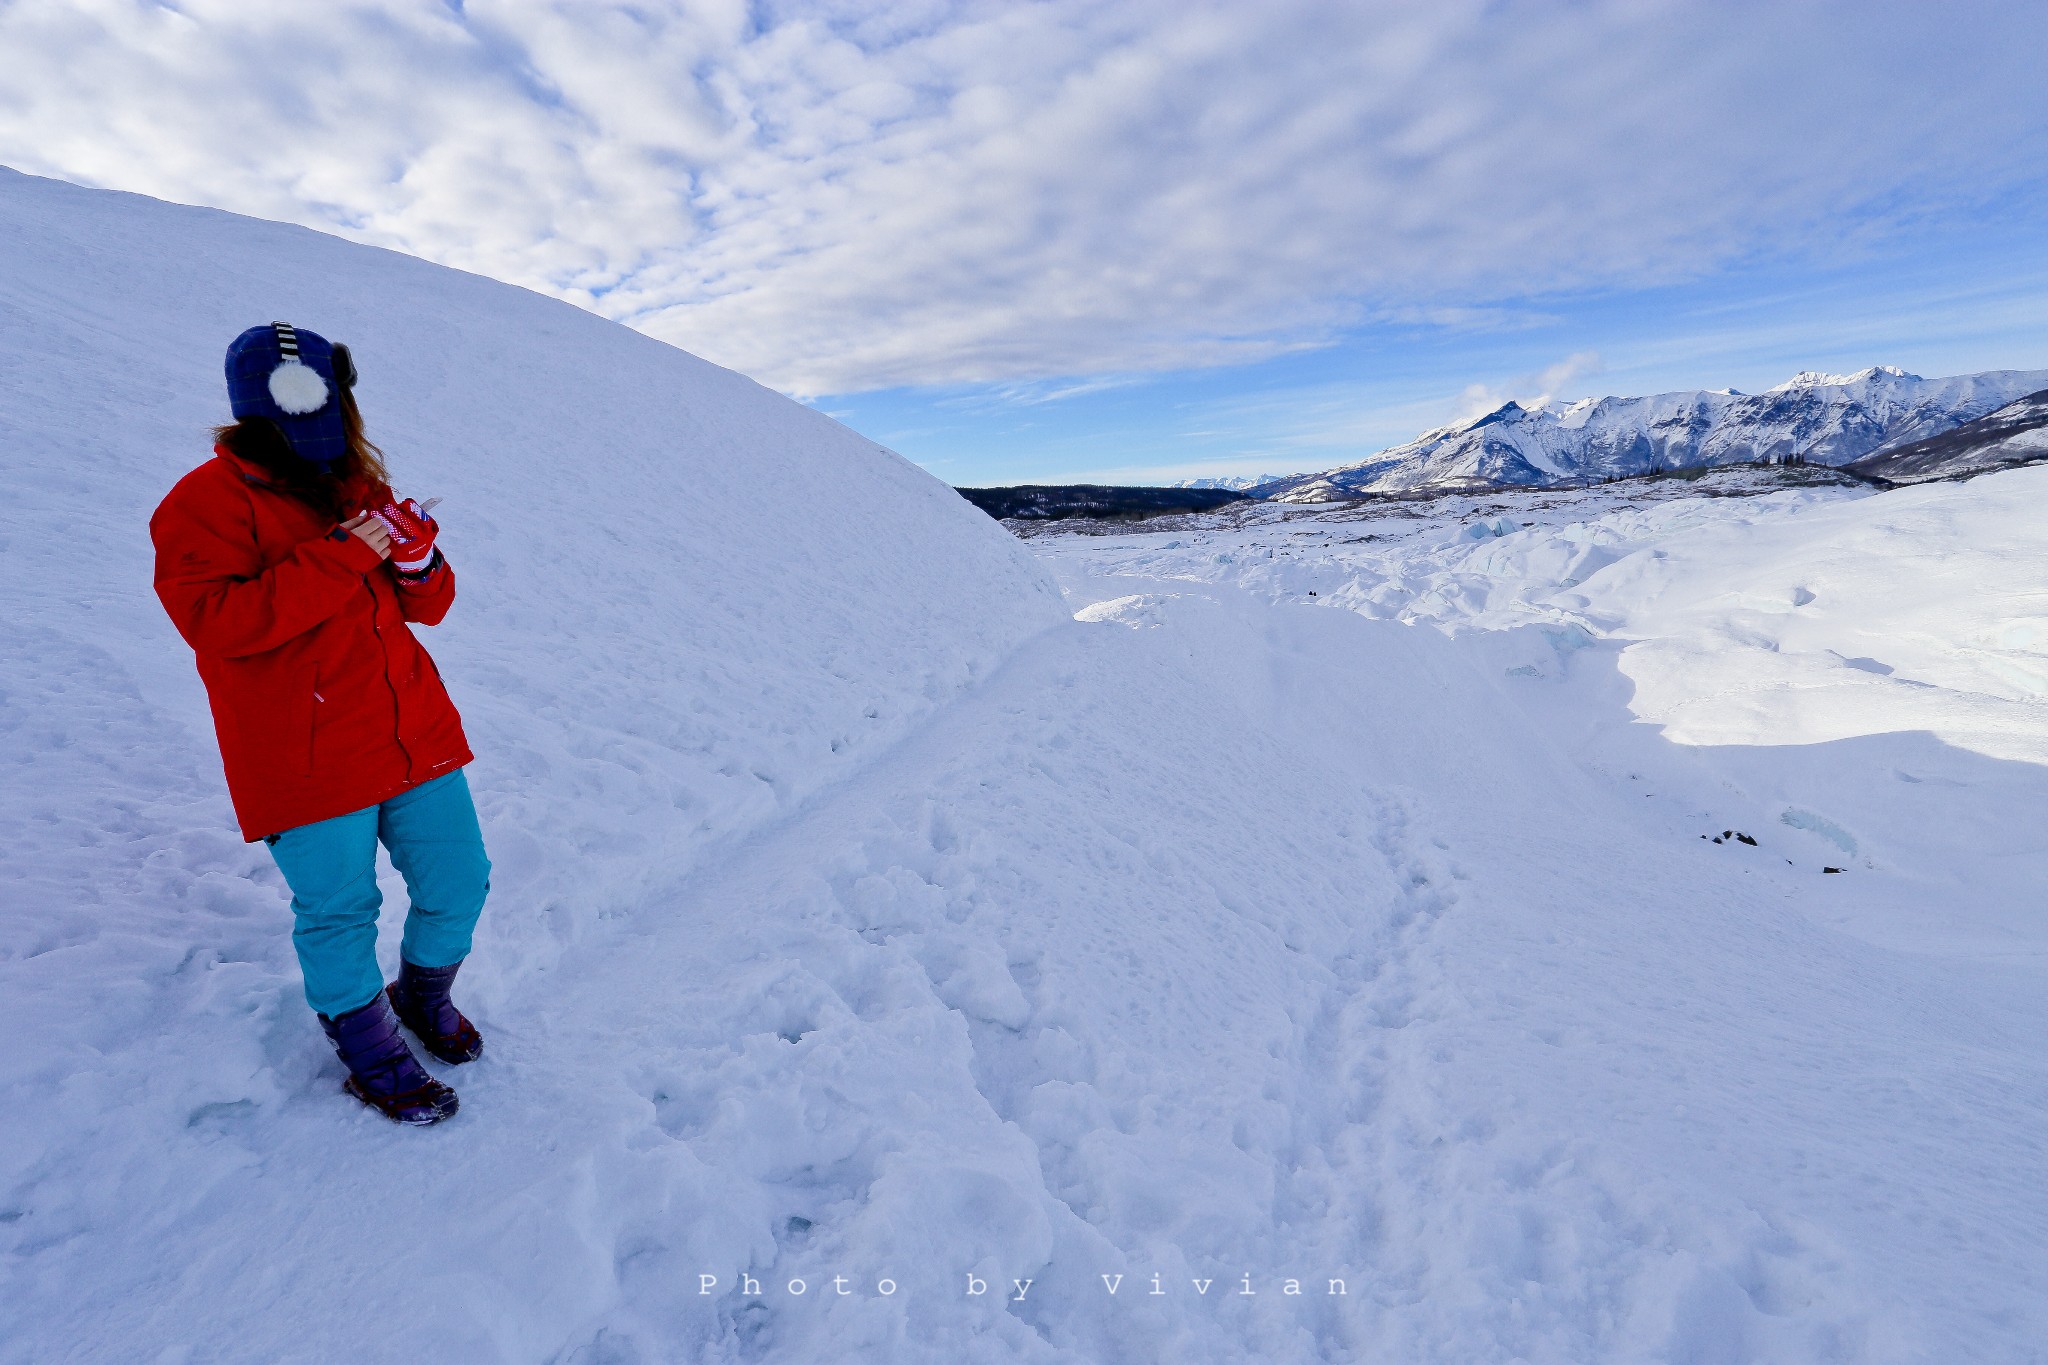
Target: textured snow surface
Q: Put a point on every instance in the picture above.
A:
(863, 910)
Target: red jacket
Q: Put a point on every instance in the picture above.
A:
(322, 700)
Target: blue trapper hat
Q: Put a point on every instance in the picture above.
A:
(289, 375)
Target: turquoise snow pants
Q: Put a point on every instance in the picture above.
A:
(331, 867)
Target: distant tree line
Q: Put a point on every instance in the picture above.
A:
(1055, 502)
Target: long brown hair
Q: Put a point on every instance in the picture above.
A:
(259, 441)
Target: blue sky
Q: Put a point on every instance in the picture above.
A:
(1956, 297)
(1136, 239)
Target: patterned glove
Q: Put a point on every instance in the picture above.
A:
(412, 534)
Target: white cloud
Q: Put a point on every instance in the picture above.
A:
(837, 196)
(1530, 390)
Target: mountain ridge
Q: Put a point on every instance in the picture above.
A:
(2016, 434)
(1813, 417)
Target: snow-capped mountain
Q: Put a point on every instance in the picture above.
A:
(2016, 434)
(1235, 483)
(1820, 418)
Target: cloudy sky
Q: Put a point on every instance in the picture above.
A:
(1120, 238)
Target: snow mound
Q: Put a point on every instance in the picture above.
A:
(1916, 613)
(1137, 610)
(687, 604)
(686, 601)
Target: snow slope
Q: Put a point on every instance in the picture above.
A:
(1822, 418)
(866, 918)
(659, 648)
(700, 648)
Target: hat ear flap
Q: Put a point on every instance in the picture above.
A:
(297, 388)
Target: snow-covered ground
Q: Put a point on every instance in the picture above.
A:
(868, 908)
(1781, 1114)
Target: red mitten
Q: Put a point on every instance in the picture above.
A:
(412, 533)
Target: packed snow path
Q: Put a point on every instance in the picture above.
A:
(1212, 937)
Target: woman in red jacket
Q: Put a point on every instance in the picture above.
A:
(294, 574)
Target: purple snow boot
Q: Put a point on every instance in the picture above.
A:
(420, 995)
(382, 1071)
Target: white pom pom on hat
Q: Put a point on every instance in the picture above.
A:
(297, 388)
